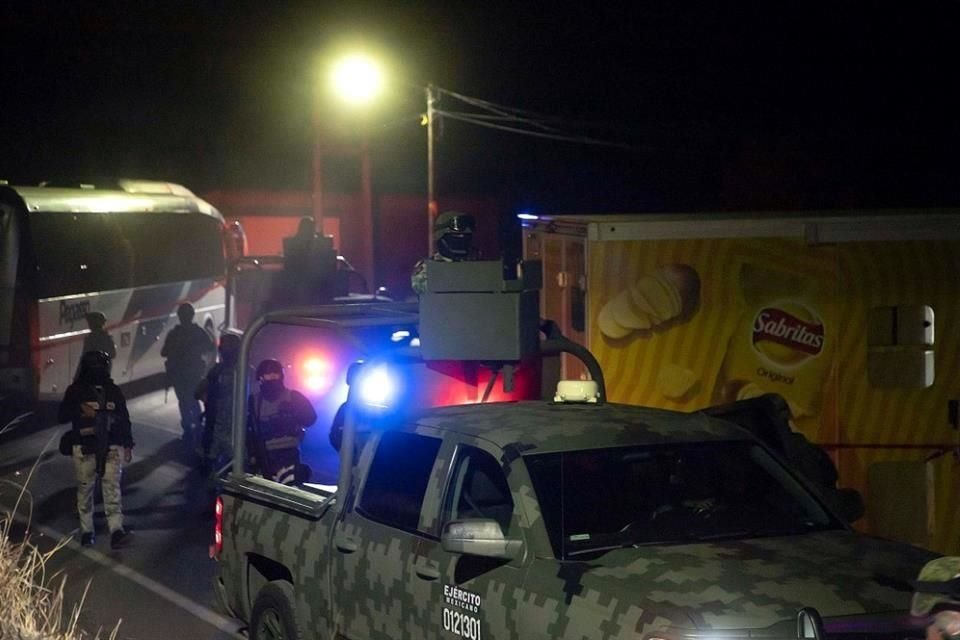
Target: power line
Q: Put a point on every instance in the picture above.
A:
(512, 115)
(507, 112)
(537, 134)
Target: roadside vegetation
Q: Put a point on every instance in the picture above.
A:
(31, 601)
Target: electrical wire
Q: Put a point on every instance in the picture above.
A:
(499, 110)
(504, 116)
(537, 134)
(493, 106)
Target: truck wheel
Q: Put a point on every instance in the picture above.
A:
(274, 614)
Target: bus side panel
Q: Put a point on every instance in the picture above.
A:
(138, 320)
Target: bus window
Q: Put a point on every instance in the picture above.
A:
(198, 242)
(77, 253)
(85, 252)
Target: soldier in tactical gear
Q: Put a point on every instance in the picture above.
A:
(938, 597)
(216, 391)
(186, 349)
(101, 430)
(453, 236)
(309, 267)
(277, 418)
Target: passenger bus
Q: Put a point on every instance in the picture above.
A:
(133, 251)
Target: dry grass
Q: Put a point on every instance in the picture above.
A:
(31, 602)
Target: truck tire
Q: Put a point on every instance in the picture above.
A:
(274, 614)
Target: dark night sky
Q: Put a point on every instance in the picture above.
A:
(739, 106)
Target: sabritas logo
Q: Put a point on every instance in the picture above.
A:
(788, 333)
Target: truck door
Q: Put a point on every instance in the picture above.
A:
(467, 596)
(374, 544)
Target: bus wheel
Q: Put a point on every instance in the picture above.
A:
(274, 614)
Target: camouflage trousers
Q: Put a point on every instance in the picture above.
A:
(85, 466)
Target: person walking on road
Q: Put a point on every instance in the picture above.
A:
(102, 443)
(187, 348)
(278, 417)
(98, 339)
(216, 393)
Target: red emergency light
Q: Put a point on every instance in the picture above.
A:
(317, 374)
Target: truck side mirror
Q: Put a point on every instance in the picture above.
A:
(479, 537)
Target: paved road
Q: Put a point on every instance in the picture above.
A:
(161, 585)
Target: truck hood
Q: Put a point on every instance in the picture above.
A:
(758, 582)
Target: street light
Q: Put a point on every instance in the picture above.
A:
(357, 80)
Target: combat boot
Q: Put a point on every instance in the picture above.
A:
(120, 538)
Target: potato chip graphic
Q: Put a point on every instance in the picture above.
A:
(653, 297)
(609, 326)
(626, 314)
(676, 382)
(684, 283)
(668, 293)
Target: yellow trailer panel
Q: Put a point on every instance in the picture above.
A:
(853, 318)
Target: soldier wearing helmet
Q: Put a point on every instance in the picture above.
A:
(453, 238)
(102, 443)
(278, 417)
(938, 598)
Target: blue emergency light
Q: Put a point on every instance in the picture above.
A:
(377, 387)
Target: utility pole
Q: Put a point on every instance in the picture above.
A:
(317, 194)
(366, 257)
(431, 178)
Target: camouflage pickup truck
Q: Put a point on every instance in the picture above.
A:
(556, 520)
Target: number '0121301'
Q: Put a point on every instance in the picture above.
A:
(461, 624)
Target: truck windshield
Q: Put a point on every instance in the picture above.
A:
(597, 500)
